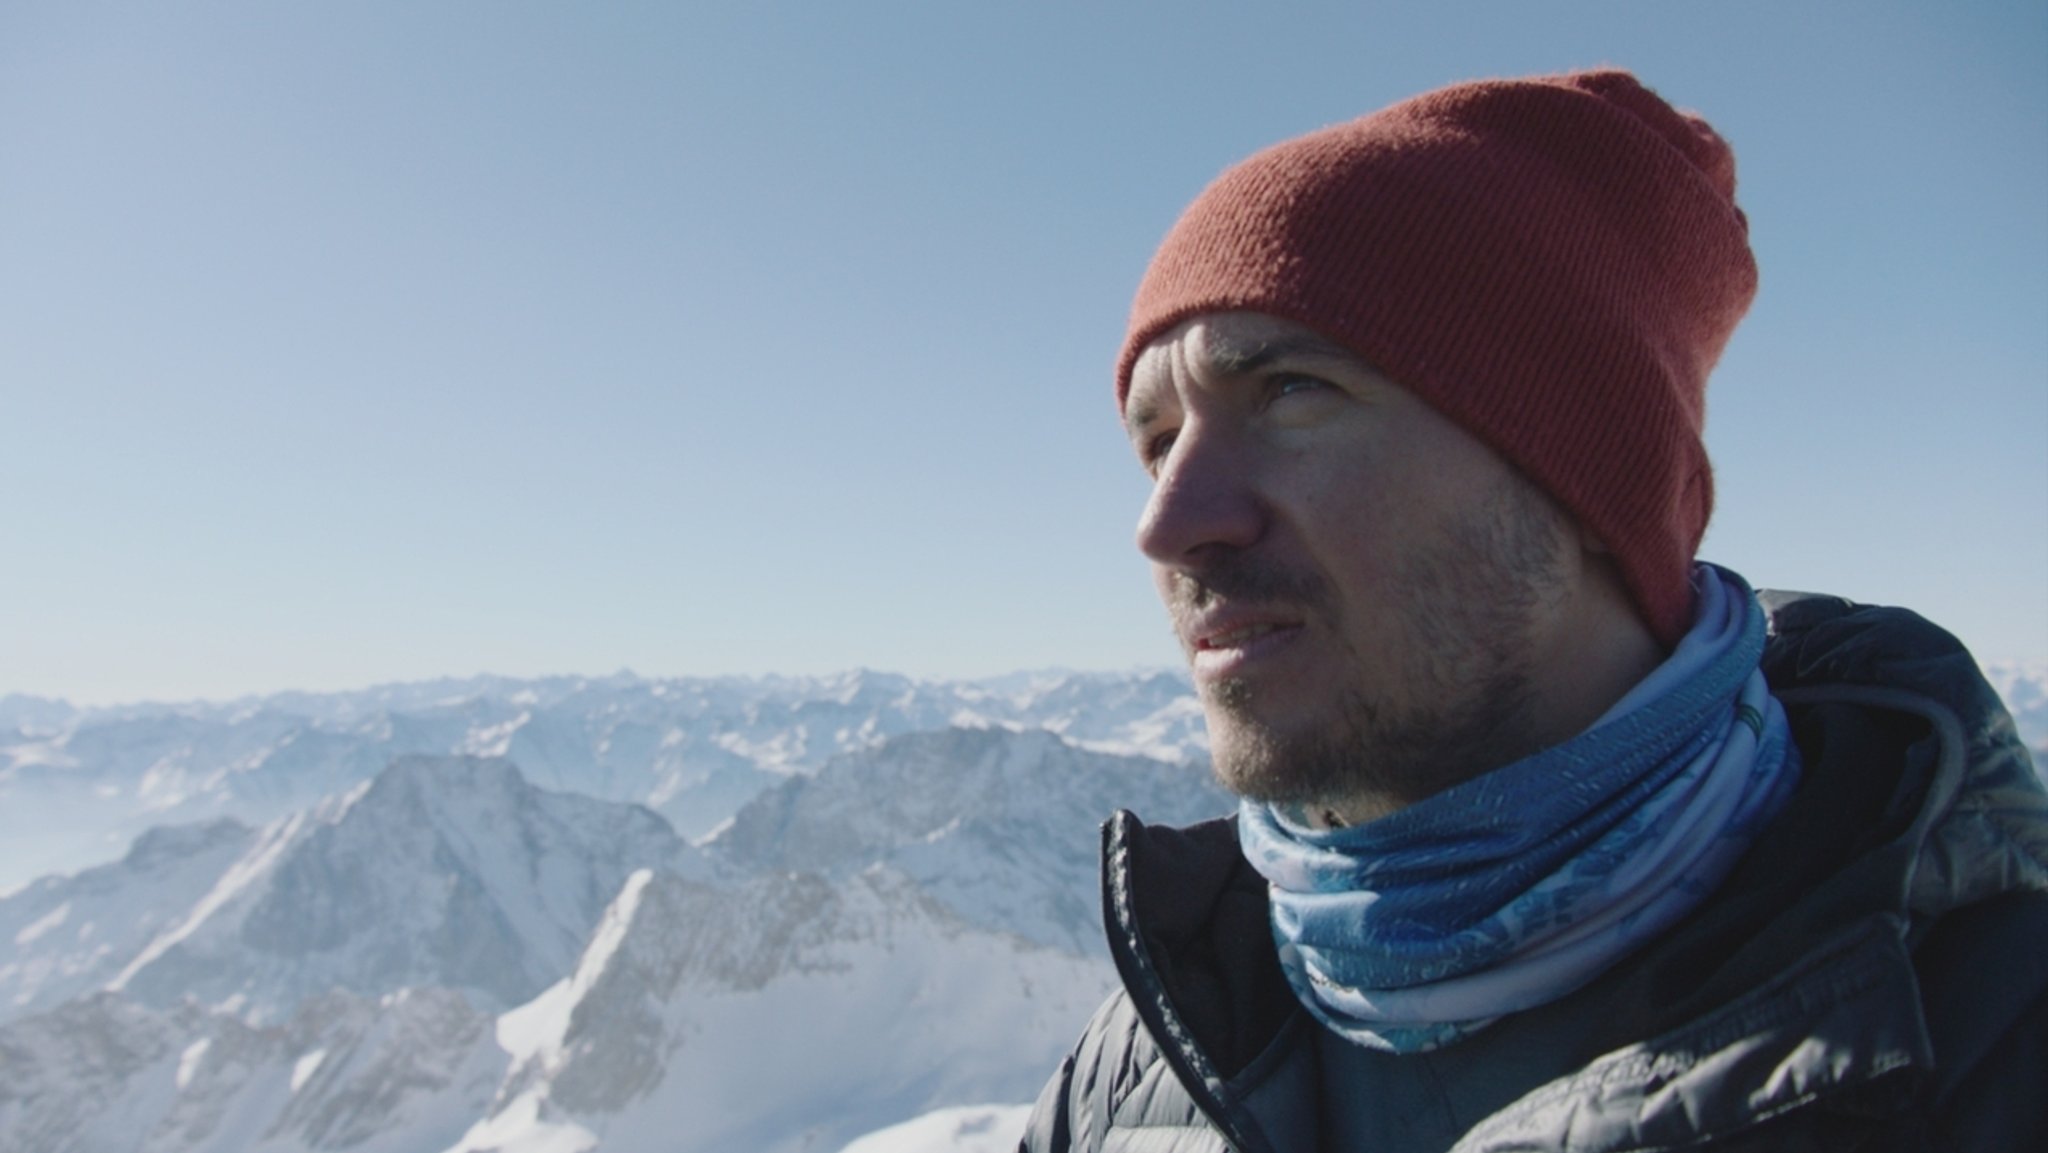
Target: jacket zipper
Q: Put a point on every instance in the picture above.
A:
(1148, 993)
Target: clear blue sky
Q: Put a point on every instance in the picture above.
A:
(345, 343)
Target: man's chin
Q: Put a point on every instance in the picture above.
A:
(1338, 763)
(1257, 763)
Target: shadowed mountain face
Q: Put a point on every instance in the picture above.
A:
(406, 1071)
(71, 934)
(1000, 827)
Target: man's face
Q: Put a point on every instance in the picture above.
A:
(1371, 600)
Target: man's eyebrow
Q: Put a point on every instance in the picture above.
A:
(1139, 416)
(1235, 357)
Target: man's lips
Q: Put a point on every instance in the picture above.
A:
(1224, 643)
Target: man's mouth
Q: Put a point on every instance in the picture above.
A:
(1231, 644)
(1235, 615)
(1239, 636)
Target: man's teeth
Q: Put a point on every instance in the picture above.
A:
(1241, 636)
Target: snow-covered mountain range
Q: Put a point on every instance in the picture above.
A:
(77, 786)
(766, 915)
(446, 954)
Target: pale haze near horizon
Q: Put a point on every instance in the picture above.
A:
(351, 344)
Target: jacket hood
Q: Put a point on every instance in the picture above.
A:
(1982, 825)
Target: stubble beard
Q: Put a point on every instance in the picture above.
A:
(1466, 675)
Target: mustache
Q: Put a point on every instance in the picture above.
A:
(1238, 577)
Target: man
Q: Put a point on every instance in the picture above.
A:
(1551, 837)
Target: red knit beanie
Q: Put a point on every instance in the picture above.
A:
(1553, 263)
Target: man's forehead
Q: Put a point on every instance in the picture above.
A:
(1221, 344)
(1235, 342)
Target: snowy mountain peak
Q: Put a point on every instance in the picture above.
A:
(446, 872)
(444, 781)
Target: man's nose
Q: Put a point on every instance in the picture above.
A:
(1204, 498)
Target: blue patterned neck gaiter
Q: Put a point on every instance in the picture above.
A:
(1516, 887)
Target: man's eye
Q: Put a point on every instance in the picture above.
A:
(1154, 450)
(1293, 383)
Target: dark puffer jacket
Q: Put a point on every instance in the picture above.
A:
(1874, 975)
